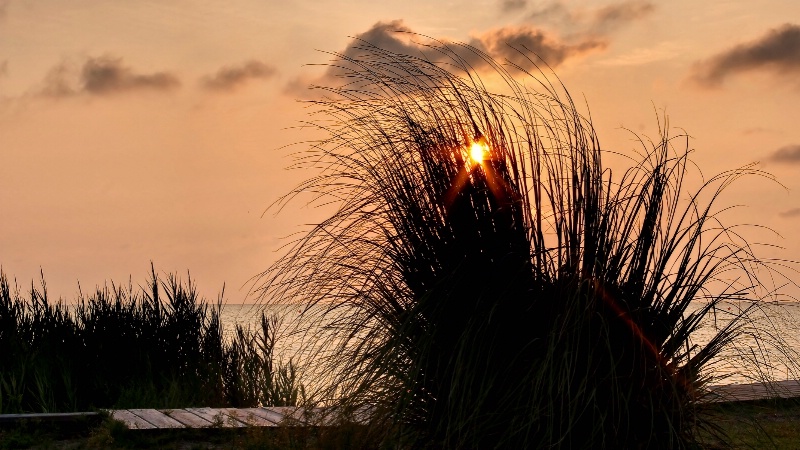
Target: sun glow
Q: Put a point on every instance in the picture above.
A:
(478, 152)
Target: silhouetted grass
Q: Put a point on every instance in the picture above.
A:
(161, 346)
(529, 301)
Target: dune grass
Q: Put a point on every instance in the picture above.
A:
(528, 298)
(158, 346)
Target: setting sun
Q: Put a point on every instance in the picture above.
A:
(478, 152)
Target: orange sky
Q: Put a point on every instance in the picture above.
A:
(154, 130)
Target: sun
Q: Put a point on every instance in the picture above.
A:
(478, 152)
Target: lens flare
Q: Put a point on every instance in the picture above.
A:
(478, 152)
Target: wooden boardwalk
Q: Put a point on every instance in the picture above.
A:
(147, 419)
(154, 419)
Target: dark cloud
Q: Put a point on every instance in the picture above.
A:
(230, 78)
(107, 75)
(592, 21)
(789, 154)
(503, 44)
(794, 212)
(777, 51)
(393, 36)
(513, 5)
(102, 76)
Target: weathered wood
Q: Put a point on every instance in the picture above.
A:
(58, 417)
(131, 420)
(187, 418)
(248, 416)
(290, 414)
(157, 418)
(217, 417)
(267, 414)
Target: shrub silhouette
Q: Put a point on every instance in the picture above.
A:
(159, 346)
(526, 300)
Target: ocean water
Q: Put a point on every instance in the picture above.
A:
(766, 348)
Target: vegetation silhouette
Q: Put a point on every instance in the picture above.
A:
(523, 299)
(158, 347)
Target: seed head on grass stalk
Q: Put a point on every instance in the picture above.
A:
(517, 296)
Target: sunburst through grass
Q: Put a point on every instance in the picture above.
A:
(485, 282)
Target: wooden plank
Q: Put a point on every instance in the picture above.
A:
(187, 418)
(266, 413)
(157, 418)
(217, 417)
(290, 414)
(131, 420)
(59, 417)
(249, 416)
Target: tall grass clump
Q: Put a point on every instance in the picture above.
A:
(160, 346)
(523, 298)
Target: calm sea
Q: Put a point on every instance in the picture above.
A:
(767, 347)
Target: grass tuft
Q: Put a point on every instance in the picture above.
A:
(530, 300)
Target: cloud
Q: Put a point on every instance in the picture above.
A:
(393, 36)
(500, 44)
(57, 82)
(103, 76)
(4, 8)
(789, 154)
(758, 130)
(4, 68)
(598, 21)
(512, 5)
(794, 212)
(613, 16)
(229, 78)
(777, 51)
(107, 75)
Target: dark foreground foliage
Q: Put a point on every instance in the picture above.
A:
(528, 300)
(162, 346)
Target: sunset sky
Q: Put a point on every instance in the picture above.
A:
(139, 131)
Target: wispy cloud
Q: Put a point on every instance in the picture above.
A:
(4, 8)
(230, 78)
(758, 130)
(4, 68)
(611, 17)
(598, 21)
(512, 5)
(103, 75)
(639, 56)
(777, 51)
(789, 154)
(794, 212)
